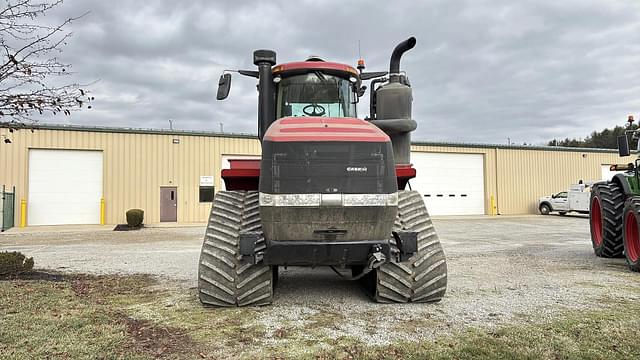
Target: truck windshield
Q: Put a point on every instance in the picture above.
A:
(315, 94)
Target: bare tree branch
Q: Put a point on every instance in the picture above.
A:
(29, 67)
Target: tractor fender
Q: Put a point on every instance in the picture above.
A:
(623, 183)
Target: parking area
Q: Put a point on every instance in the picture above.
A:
(500, 268)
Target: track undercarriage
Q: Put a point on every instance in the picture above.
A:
(226, 277)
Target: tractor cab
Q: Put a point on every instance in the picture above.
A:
(315, 88)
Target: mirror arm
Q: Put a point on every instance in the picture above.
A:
(249, 73)
(371, 75)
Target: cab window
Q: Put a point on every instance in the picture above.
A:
(561, 195)
(315, 94)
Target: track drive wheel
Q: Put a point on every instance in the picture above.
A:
(224, 279)
(631, 237)
(605, 218)
(423, 278)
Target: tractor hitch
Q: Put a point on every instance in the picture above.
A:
(407, 242)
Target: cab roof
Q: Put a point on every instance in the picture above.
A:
(302, 66)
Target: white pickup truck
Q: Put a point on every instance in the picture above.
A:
(576, 199)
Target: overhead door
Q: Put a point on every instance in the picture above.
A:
(451, 184)
(65, 187)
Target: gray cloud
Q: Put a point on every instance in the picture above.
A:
(482, 70)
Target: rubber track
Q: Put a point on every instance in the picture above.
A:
(223, 279)
(612, 205)
(423, 278)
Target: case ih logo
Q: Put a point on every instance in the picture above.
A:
(357, 169)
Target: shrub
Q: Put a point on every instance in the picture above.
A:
(13, 263)
(135, 217)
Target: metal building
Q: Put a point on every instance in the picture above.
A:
(91, 175)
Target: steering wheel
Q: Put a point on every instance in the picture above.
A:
(313, 110)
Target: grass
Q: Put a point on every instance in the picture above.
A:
(135, 317)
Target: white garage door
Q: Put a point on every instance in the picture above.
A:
(65, 187)
(451, 184)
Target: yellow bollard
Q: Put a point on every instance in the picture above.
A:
(102, 211)
(23, 213)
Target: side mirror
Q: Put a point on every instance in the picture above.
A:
(623, 145)
(224, 85)
(553, 196)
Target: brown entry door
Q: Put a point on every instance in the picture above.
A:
(168, 204)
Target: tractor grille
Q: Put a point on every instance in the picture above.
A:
(327, 167)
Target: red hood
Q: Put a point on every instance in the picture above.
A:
(311, 128)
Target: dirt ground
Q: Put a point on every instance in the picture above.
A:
(502, 270)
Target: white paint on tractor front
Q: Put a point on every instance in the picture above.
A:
(451, 183)
(65, 187)
(607, 174)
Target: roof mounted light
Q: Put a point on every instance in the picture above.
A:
(353, 80)
(277, 79)
(314, 58)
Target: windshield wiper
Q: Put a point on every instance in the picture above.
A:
(320, 76)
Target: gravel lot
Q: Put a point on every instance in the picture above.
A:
(501, 270)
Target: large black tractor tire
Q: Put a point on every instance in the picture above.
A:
(631, 236)
(605, 219)
(224, 279)
(423, 278)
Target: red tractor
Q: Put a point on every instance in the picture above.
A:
(329, 189)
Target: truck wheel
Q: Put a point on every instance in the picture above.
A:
(605, 218)
(423, 278)
(545, 209)
(224, 279)
(631, 237)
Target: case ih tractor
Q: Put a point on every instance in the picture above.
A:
(615, 209)
(329, 189)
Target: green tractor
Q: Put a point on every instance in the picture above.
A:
(614, 211)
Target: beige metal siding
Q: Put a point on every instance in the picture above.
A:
(516, 178)
(526, 175)
(135, 166)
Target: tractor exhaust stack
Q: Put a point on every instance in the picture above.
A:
(393, 106)
(394, 64)
(264, 60)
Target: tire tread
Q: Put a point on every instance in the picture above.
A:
(224, 279)
(423, 278)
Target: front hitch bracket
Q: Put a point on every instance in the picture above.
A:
(248, 241)
(407, 242)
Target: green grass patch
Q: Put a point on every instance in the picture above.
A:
(135, 317)
(606, 334)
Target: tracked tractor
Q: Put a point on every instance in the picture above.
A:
(329, 189)
(614, 211)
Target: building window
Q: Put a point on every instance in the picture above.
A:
(206, 194)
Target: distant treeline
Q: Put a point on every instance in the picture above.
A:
(605, 139)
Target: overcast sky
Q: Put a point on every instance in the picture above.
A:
(482, 71)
